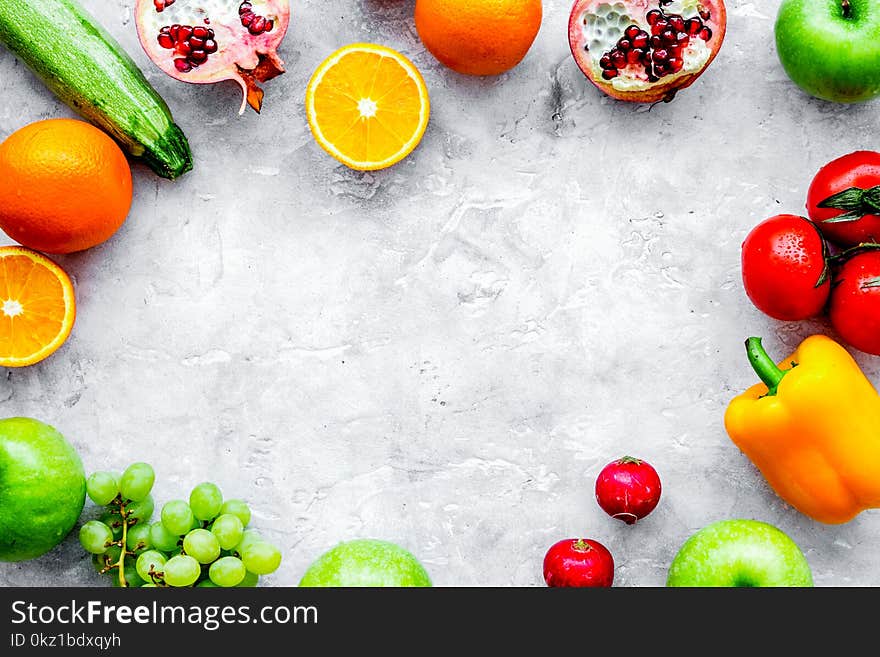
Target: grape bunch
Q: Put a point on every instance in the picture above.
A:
(203, 541)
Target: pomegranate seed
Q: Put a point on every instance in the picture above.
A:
(653, 16)
(676, 23)
(609, 74)
(634, 56)
(705, 33)
(257, 26)
(632, 32)
(640, 40)
(269, 25)
(618, 58)
(675, 64)
(704, 13)
(656, 42)
(605, 62)
(243, 7)
(161, 5)
(193, 45)
(660, 55)
(693, 26)
(669, 35)
(248, 18)
(683, 39)
(624, 44)
(659, 26)
(165, 40)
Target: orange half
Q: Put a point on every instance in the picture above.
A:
(367, 106)
(37, 306)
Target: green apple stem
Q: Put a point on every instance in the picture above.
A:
(847, 8)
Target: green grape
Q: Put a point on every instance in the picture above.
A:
(102, 488)
(228, 529)
(237, 508)
(95, 537)
(132, 578)
(228, 571)
(141, 511)
(137, 538)
(177, 517)
(137, 481)
(114, 522)
(182, 570)
(247, 537)
(109, 558)
(250, 581)
(261, 557)
(161, 538)
(206, 583)
(202, 545)
(206, 500)
(150, 560)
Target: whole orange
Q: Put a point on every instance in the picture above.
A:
(65, 186)
(478, 37)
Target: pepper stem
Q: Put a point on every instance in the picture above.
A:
(763, 365)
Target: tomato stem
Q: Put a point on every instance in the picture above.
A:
(764, 366)
(846, 254)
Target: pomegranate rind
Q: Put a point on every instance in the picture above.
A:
(242, 57)
(665, 88)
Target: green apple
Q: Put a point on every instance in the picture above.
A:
(42, 488)
(831, 48)
(366, 562)
(739, 552)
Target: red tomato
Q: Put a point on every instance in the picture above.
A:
(860, 173)
(580, 562)
(855, 302)
(784, 270)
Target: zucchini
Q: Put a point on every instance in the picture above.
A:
(87, 68)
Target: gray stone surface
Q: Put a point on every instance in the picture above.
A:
(445, 353)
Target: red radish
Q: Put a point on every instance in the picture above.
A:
(628, 489)
(578, 562)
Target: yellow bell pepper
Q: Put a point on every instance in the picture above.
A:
(812, 427)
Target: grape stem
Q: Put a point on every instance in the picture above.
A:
(121, 563)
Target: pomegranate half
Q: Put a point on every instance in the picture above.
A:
(207, 41)
(645, 50)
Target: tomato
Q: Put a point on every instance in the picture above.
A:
(854, 217)
(854, 310)
(784, 268)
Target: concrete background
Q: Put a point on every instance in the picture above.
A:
(444, 354)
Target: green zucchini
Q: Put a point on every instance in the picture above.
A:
(87, 68)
